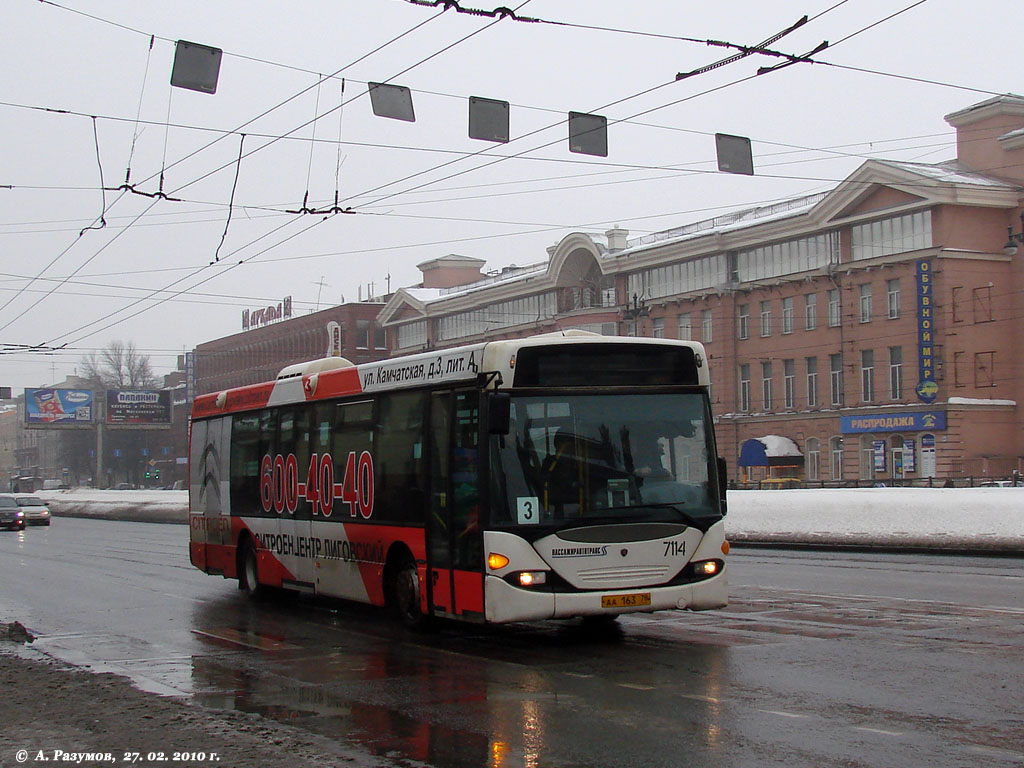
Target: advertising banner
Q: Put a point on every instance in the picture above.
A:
(879, 447)
(927, 387)
(58, 407)
(909, 456)
(139, 406)
(889, 421)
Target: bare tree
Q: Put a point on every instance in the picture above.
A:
(119, 365)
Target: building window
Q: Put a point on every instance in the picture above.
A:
(608, 296)
(896, 373)
(983, 304)
(958, 373)
(803, 255)
(787, 315)
(810, 311)
(766, 318)
(766, 385)
(899, 234)
(683, 329)
(812, 382)
(984, 369)
(835, 447)
(658, 328)
(705, 326)
(813, 450)
(412, 334)
(789, 383)
(954, 303)
(362, 334)
(835, 366)
(892, 290)
(683, 277)
(743, 321)
(528, 310)
(867, 375)
(865, 303)
(380, 337)
(745, 388)
(834, 316)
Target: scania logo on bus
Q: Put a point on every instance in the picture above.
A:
(579, 552)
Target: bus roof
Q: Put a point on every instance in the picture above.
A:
(327, 378)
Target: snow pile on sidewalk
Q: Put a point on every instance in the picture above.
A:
(977, 519)
(984, 519)
(145, 506)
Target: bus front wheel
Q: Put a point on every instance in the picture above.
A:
(248, 574)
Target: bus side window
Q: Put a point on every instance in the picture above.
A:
(351, 433)
(297, 440)
(400, 471)
(245, 464)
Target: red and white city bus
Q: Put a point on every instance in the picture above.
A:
(555, 476)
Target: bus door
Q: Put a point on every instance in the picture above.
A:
(209, 498)
(455, 555)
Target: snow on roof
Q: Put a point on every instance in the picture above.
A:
(978, 401)
(423, 294)
(727, 221)
(948, 173)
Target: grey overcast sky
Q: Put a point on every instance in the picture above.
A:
(85, 98)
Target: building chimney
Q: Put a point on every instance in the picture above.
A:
(616, 238)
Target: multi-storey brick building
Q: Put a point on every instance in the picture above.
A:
(261, 351)
(868, 333)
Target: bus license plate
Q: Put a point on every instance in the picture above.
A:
(626, 601)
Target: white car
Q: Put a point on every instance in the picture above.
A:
(35, 509)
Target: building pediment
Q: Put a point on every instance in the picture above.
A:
(403, 305)
(880, 185)
(879, 197)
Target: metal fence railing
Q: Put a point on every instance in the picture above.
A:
(784, 483)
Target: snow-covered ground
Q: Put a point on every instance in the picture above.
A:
(956, 518)
(976, 519)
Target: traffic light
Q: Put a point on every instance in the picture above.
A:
(156, 474)
(147, 474)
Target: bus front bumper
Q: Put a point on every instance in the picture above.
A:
(504, 602)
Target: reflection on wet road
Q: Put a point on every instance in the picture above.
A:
(821, 659)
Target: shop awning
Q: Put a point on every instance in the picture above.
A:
(770, 451)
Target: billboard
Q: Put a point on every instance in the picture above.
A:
(146, 407)
(58, 407)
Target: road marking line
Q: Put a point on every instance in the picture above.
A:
(698, 697)
(882, 731)
(783, 714)
(636, 687)
(995, 751)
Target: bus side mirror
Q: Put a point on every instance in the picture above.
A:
(499, 413)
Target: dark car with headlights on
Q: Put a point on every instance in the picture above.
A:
(37, 511)
(11, 515)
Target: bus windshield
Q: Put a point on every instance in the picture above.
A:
(571, 459)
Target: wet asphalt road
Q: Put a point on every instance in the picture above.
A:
(822, 659)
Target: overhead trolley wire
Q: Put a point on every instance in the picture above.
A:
(135, 303)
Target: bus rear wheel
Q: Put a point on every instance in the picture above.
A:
(248, 573)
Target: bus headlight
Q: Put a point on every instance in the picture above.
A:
(532, 578)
